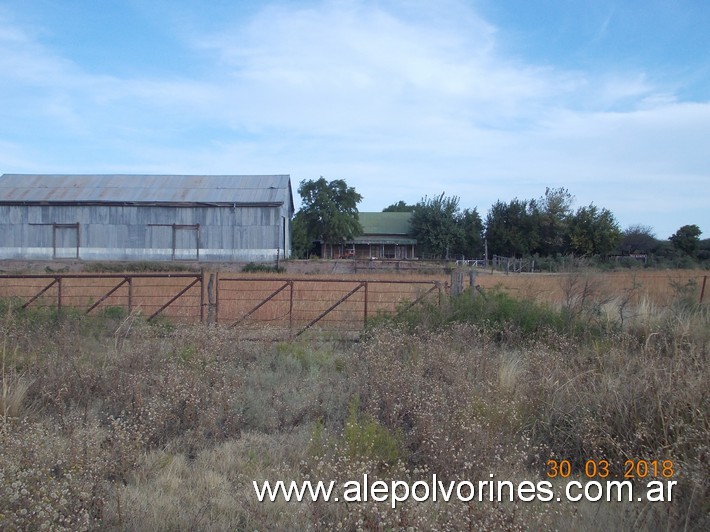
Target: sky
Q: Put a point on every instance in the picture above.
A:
(485, 100)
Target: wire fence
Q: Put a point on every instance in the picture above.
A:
(293, 306)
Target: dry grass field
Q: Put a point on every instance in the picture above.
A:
(241, 296)
(113, 423)
(656, 287)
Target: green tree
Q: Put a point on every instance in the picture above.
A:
(400, 206)
(552, 212)
(512, 229)
(301, 244)
(472, 237)
(593, 231)
(329, 211)
(435, 225)
(638, 239)
(687, 239)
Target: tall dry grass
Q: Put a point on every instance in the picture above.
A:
(125, 425)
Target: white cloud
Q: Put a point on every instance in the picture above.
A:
(402, 101)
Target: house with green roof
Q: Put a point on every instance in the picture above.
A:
(385, 236)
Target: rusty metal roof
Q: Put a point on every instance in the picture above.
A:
(136, 189)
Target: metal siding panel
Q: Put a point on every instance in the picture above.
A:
(123, 232)
(100, 215)
(66, 242)
(137, 236)
(34, 214)
(211, 237)
(8, 237)
(15, 214)
(39, 236)
(186, 240)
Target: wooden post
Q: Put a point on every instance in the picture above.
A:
(210, 299)
(702, 290)
(456, 282)
(472, 282)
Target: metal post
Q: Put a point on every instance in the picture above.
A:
(702, 290)
(216, 297)
(202, 295)
(364, 322)
(59, 294)
(290, 308)
(130, 294)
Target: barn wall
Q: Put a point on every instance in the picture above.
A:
(107, 232)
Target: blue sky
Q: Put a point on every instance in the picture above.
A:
(482, 99)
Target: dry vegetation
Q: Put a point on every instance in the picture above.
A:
(113, 423)
(240, 293)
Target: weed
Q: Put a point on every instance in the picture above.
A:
(253, 267)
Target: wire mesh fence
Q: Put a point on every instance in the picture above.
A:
(292, 306)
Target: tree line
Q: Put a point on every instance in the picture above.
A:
(548, 226)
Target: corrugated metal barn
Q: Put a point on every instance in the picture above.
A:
(145, 217)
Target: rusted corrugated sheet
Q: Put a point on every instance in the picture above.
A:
(173, 189)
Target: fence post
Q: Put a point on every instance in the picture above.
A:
(130, 294)
(202, 295)
(472, 282)
(216, 297)
(456, 282)
(210, 299)
(364, 321)
(702, 290)
(59, 294)
(290, 308)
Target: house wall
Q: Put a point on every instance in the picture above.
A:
(384, 251)
(134, 232)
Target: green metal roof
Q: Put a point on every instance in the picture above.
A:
(384, 228)
(384, 223)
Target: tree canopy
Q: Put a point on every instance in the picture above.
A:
(328, 212)
(443, 230)
(400, 206)
(637, 239)
(553, 212)
(512, 228)
(687, 239)
(546, 226)
(593, 231)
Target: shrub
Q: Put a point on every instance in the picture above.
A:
(253, 267)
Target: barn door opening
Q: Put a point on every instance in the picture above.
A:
(66, 241)
(186, 242)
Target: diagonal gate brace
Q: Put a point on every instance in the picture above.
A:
(417, 300)
(174, 298)
(37, 296)
(330, 309)
(107, 295)
(264, 302)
